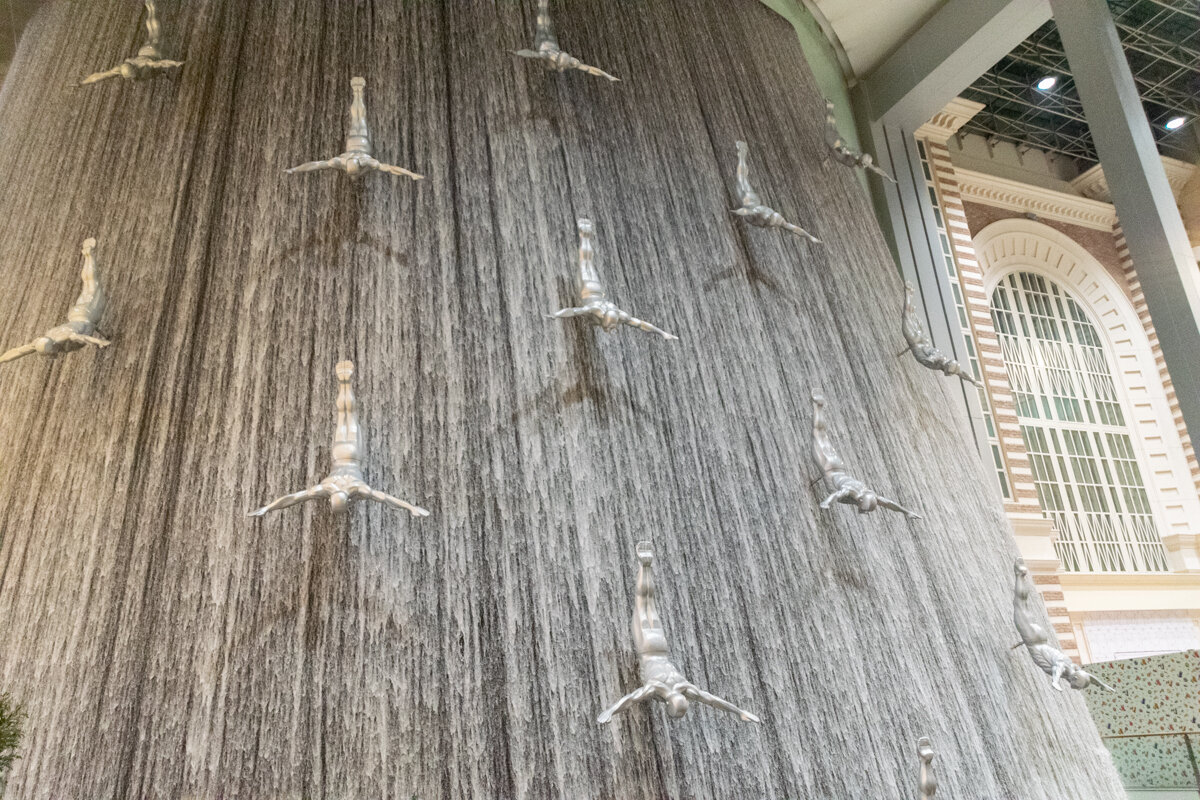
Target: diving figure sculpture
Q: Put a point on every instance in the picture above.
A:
(346, 482)
(545, 48)
(596, 304)
(661, 680)
(922, 346)
(1034, 638)
(148, 62)
(844, 488)
(927, 782)
(357, 159)
(842, 152)
(752, 209)
(77, 332)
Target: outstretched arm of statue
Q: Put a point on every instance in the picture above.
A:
(634, 322)
(18, 352)
(881, 172)
(95, 341)
(313, 166)
(796, 229)
(966, 376)
(96, 77)
(696, 693)
(625, 702)
(569, 312)
(164, 63)
(291, 500)
(894, 506)
(388, 500)
(391, 169)
(590, 70)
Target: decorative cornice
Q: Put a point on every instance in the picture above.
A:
(945, 123)
(979, 187)
(1094, 184)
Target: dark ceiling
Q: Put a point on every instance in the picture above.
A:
(1162, 44)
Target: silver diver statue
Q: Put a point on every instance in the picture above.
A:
(148, 63)
(922, 346)
(843, 153)
(357, 159)
(1034, 638)
(595, 302)
(752, 209)
(844, 488)
(346, 482)
(81, 322)
(661, 680)
(545, 48)
(927, 782)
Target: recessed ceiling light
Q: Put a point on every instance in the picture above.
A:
(1047, 83)
(1174, 123)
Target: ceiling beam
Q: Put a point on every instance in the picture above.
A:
(960, 42)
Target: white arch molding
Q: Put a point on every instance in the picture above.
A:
(1023, 245)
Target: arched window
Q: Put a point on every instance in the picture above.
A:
(1083, 460)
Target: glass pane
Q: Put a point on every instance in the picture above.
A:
(1084, 465)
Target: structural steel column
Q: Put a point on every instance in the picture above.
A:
(1154, 231)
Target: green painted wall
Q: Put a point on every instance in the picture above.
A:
(823, 60)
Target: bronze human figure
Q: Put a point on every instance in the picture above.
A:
(927, 781)
(357, 159)
(1034, 638)
(346, 482)
(922, 346)
(148, 63)
(545, 48)
(661, 680)
(843, 487)
(752, 209)
(842, 152)
(77, 332)
(596, 304)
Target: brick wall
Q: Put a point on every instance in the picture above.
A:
(962, 220)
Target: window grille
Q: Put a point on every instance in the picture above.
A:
(1084, 466)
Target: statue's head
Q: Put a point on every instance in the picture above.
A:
(677, 705)
(867, 501)
(340, 502)
(353, 167)
(610, 320)
(127, 71)
(1078, 677)
(45, 346)
(867, 161)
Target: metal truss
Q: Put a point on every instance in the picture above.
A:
(1161, 39)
